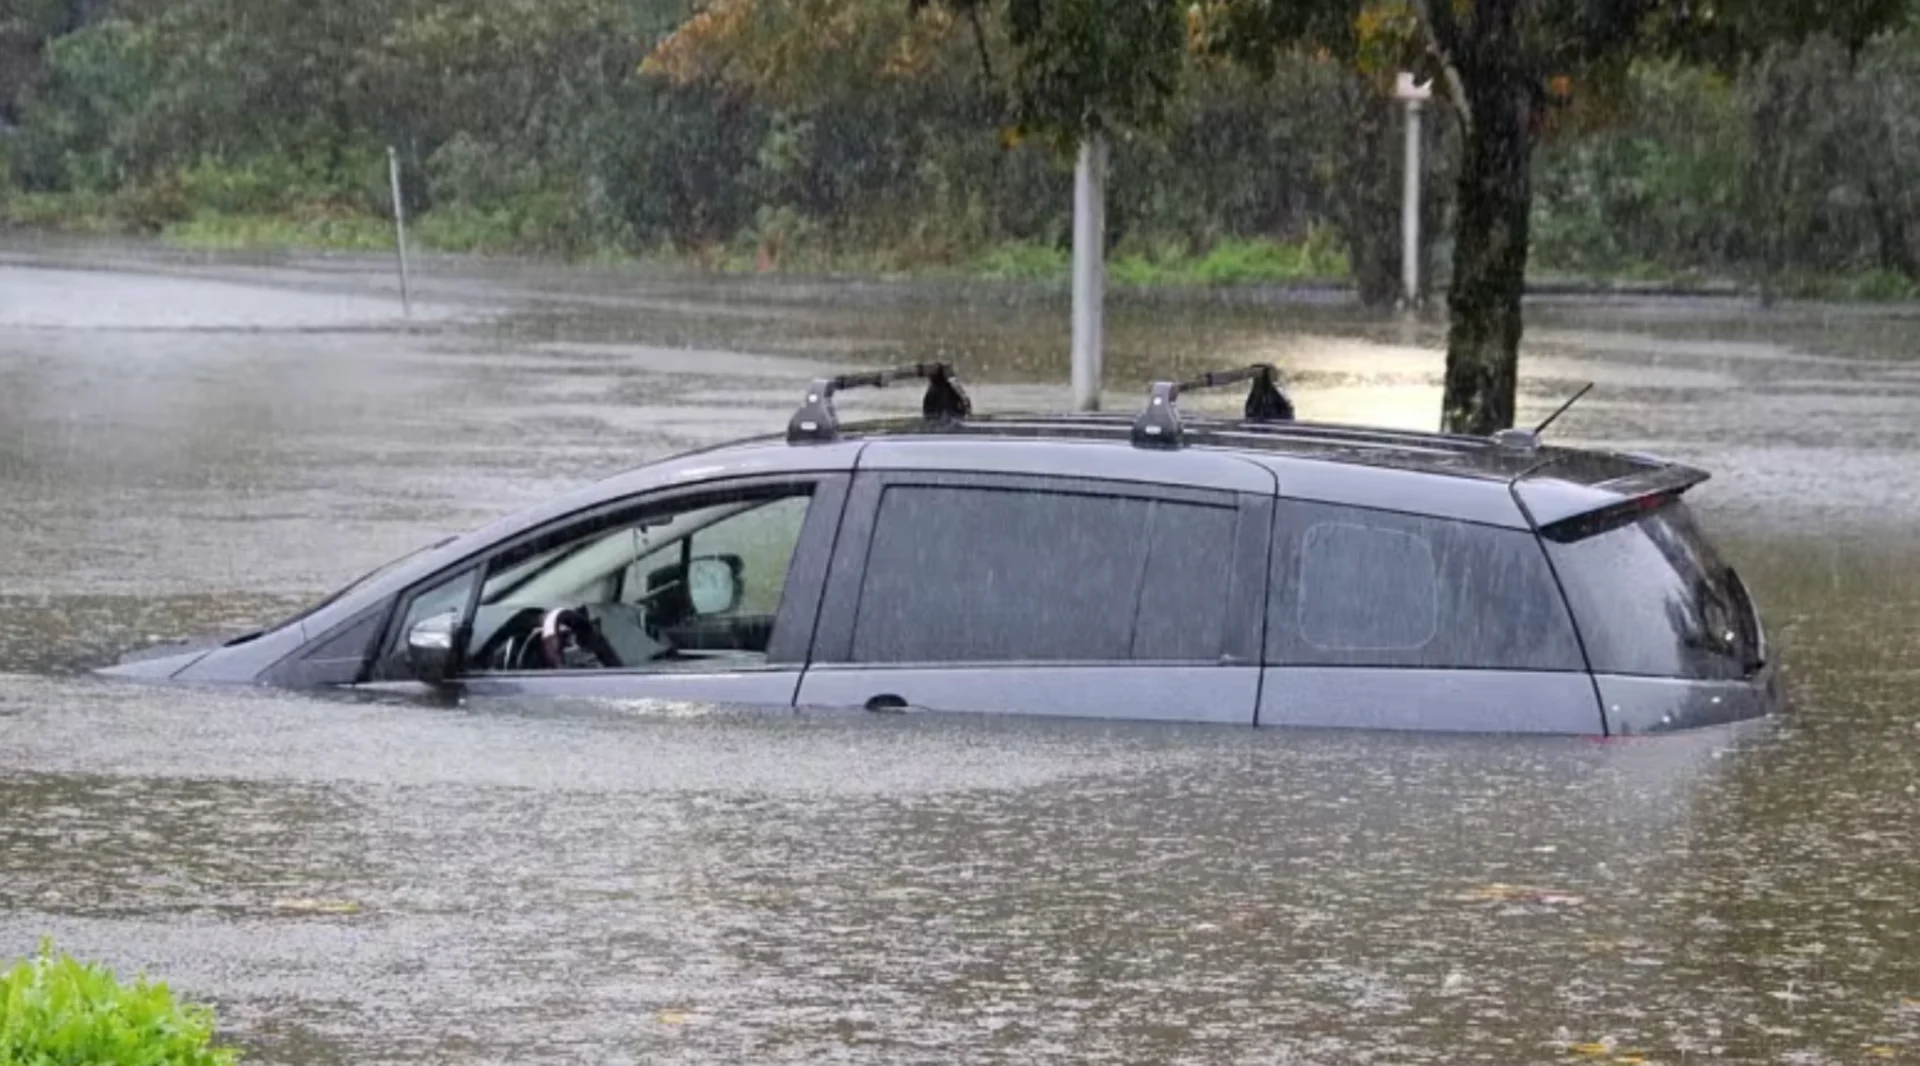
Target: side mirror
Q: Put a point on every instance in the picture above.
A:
(706, 585)
(713, 584)
(430, 647)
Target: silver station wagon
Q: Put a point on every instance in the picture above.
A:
(1257, 571)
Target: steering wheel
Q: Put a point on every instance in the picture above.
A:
(562, 623)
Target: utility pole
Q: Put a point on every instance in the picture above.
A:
(1415, 95)
(399, 228)
(1089, 270)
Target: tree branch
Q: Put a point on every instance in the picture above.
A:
(1443, 40)
(1443, 32)
(980, 39)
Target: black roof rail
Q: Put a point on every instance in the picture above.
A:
(815, 421)
(1159, 425)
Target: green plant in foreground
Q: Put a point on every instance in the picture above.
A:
(57, 1011)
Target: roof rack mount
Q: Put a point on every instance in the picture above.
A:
(1159, 425)
(815, 422)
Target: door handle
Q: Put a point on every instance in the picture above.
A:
(886, 703)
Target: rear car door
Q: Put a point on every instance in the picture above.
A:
(626, 567)
(1673, 634)
(1388, 621)
(1043, 595)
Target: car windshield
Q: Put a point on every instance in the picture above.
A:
(566, 568)
(367, 578)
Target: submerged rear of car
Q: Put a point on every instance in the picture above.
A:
(1256, 571)
(1670, 632)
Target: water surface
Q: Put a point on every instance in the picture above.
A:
(191, 443)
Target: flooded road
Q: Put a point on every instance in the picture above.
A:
(189, 445)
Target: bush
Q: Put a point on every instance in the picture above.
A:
(56, 1011)
(1024, 262)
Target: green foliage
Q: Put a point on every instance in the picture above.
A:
(835, 135)
(1236, 262)
(309, 229)
(1023, 262)
(56, 1011)
(1230, 262)
(1089, 65)
(1664, 188)
(82, 120)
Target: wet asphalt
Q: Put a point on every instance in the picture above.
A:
(192, 443)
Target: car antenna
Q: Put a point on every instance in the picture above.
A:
(1555, 417)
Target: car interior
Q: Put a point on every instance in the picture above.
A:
(690, 586)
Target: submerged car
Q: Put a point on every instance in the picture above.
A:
(1257, 571)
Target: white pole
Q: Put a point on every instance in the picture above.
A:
(1410, 211)
(1089, 270)
(399, 228)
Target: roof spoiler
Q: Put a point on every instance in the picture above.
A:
(1567, 513)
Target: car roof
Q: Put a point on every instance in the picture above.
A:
(1442, 454)
(1438, 474)
(1518, 483)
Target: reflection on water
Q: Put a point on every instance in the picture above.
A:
(381, 881)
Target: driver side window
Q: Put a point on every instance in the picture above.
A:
(763, 538)
(669, 587)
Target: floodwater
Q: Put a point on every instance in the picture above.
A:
(190, 444)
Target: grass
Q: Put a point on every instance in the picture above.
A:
(58, 1011)
(545, 230)
(1235, 262)
(1230, 262)
(1021, 262)
(547, 227)
(60, 212)
(227, 233)
(1867, 286)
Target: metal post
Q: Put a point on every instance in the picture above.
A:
(1410, 211)
(1089, 270)
(1415, 94)
(399, 228)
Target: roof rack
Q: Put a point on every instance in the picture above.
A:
(1159, 425)
(815, 421)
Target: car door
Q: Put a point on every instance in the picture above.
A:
(626, 567)
(1056, 596)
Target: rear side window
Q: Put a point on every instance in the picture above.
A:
(1353, 587)
(993, 575)
(1654, 599)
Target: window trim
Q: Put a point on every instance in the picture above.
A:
(1245, 610)
(1301, 587)
(799, 601)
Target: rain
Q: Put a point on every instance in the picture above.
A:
(203, 431)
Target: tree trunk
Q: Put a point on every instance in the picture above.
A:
(1770, 193)
(1490, 251)
(1890, 231)
(1366, 197)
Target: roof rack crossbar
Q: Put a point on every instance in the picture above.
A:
(1159, 425)
(816, 421)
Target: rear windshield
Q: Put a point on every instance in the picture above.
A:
(1655, 599)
